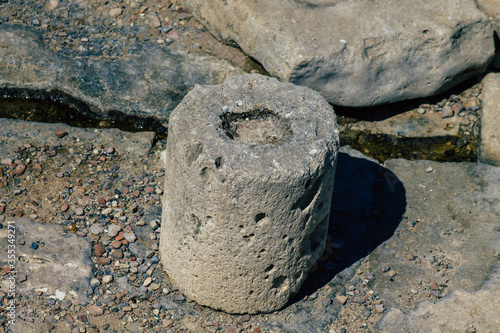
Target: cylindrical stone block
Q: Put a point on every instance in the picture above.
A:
(249, 178)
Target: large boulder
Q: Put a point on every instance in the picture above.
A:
(249, 179)
(358, 53)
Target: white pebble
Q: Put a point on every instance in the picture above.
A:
(95, 229)
(113, 230)
(130, 237)
(147, 281)
(107, 279)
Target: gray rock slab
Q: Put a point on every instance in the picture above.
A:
(451, 229)
(60, 267)
(457, 312)
(451, 224)
(489, 146)
(14, 132)
(148, 82)
(358, 53)
(248, 192)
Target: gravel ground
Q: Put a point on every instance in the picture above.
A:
(107, 28)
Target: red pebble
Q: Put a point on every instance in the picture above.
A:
(61, 133)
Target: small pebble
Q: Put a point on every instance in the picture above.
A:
(446, 112)
(129, 236)
(113, 230)
(341, 299)
(99, 250)
(95, 310)
(61, 133)
(95, 229)
(118, 254)
(19, 169)
(147, 281)
(107, 279)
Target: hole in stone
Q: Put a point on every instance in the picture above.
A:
(284, 236)
(280, 282)
(196, 222)
(218, 162)
(269, 268)
(259, 217)
(309, 196)
(193, 152)
(248, 238)
(256, 127)
(263, 250)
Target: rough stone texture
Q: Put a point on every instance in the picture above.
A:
(456, 312)
(458, 228)
(149, 82)
(358, 53)
(489, 147)
(250, 169)
(18, 132)
(61, 263)
(411, 125)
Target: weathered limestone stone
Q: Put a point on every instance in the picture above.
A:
(358, 53)
(148, 82)
(249, 179)
(489, 146)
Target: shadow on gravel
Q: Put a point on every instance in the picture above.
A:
(368, 204)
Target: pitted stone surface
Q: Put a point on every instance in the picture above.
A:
(358, 53)
(249, 179)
